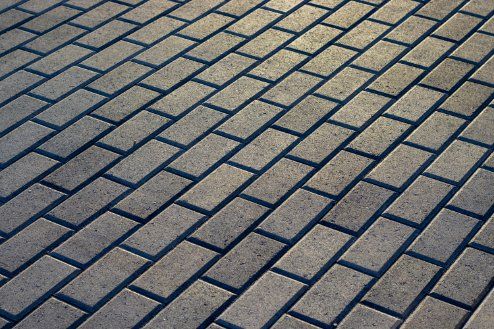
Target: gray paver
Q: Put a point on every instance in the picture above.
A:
(259, 305)
(246, 163)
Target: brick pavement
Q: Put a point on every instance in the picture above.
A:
(246, 163)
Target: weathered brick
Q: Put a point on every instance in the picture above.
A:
(475, 48)
(64, 83)
(215, 46)
(237, 93)
(17, 83)
(436, 131)
(444, 235)
(229, 223)
(216, 187)
(360, 109)
(295, 215)
(358, 206)
(124, 105)
(175, 269)
(54, 38)
(112, 55)
(148, 10)
(18, 110)
(81, 168)
(340, 285)
(135, 130)
(283, 5)
(153, 194)
(194, 9)
(192, 308)
(192, 126)
(365, 316)
(50, 19)
(294, 86)
(402, 284)
(363, 34)
(411, 30)
(244, 261)
(250, 120)
(28, 243)
(14, 60)
(277, 65)
(13, 38)
(344, 84)
(264, 149)
(43, 277)
(95, 238)
(89, 201)
(315, 38)
(201, 157)
(156, 30)
(238, 7)
(181, 99)
(339, 172)
(120, 78)
(447, 74)
(25, 206)
(379, 244)
(393, 11)
(278, 180)
(396, 79)
(11, 18)
(313, 252)
(60, 59)
(465, 157)
(22, 139)
(289, 322)
(144, 161)
(439, 9)
(70, 108)
(100, 14)
(73, 138)
(415, 104)
(253, 22)
(105, 34)
(399, 166)
(433, 312)
(457, 27)
(164, 230)
(22, 172)
(321, 143)
(468, 279)
(301, 18)
(485, 237)
(419, 200)
(379, 137)
(126, 309)
(265, 43)
(484, 73)
(329, 60)
(173, 74)
(349, 14)
(94, 285)
(482, 318)
(428, 52)
(379, 56)
(204, 27)
(306, 114)
(226, 69)
(52, 314)
(477, 195)
(467, 99)
(164, 50)
(260, 304)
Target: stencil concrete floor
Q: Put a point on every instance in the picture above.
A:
(246, 164)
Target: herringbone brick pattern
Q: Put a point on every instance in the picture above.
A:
(246, 163)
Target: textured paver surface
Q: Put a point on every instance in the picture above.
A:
(246, 164)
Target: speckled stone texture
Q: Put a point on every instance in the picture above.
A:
(232, 164)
